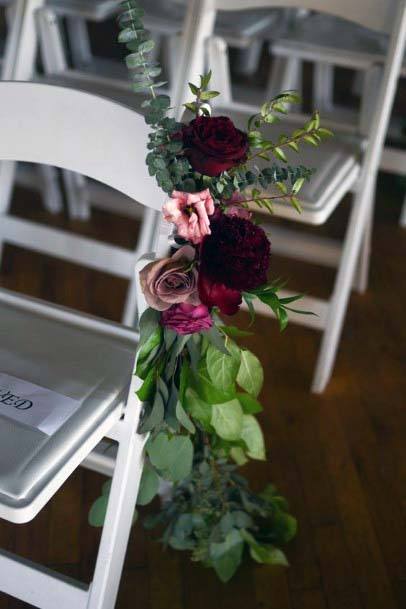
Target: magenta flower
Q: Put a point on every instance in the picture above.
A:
(190, 213)
(187, 319)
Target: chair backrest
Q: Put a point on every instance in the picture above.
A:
(78, 131)
(374, 14)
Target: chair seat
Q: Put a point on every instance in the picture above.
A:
(94, 10)
(319, 37)
(239, 28)
(336, 164)
(91, 369)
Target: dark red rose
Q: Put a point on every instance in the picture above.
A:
(218, 295)
(214, 144)
(236, 254)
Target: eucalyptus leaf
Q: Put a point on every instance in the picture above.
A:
(268, 555)
(227, 555)
(98, 511)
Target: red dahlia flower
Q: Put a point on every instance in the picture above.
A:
(236, 254)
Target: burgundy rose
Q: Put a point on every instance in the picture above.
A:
(236, 254)
(218, 295)
(214, 144)
(186, 319)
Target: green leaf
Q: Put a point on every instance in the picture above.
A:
(278, 152)
(227, 420)
(198, 409)
(183, 418)
(155, 416)
(184, 380)
(148, 324)
(207, 95)
(322, 132)
(253, 437)
(207, 390)
(205, 80)
(149, 485)
(98, 511)
(268, 555)
(173, 457)
(146, 47)
(146, 391)
(234, 332)
(195, 90)
(249, 404)
(297, 185)
(150, 343)
(250, 375)
(238, 455)
(216, 339)
(223, 369)
(226, 556)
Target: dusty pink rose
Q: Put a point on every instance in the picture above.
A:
(187, 319)
(171, 281)
(190, 213)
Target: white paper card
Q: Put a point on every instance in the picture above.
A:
(34, 406)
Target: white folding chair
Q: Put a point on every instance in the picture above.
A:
(76, 356)
(18, 64)
(329, 42)
(343, 164)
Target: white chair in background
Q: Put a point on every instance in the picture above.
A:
(344, 164)
(329, 42)
(88, 361)
(18, 60)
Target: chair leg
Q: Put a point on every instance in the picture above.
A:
(7, 175)
(119, 519)
(286, 75)
(362, 270)
(77, 196)
(51, 192)
(323, 85)
(402, 220)
(342, 289)
(247, 60)
(150, 222)
(55, 62)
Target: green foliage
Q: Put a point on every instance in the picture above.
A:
(216, 517)
(199, 392)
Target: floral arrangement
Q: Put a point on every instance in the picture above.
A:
(200, 388)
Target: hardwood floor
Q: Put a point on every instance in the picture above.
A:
(339, 458)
